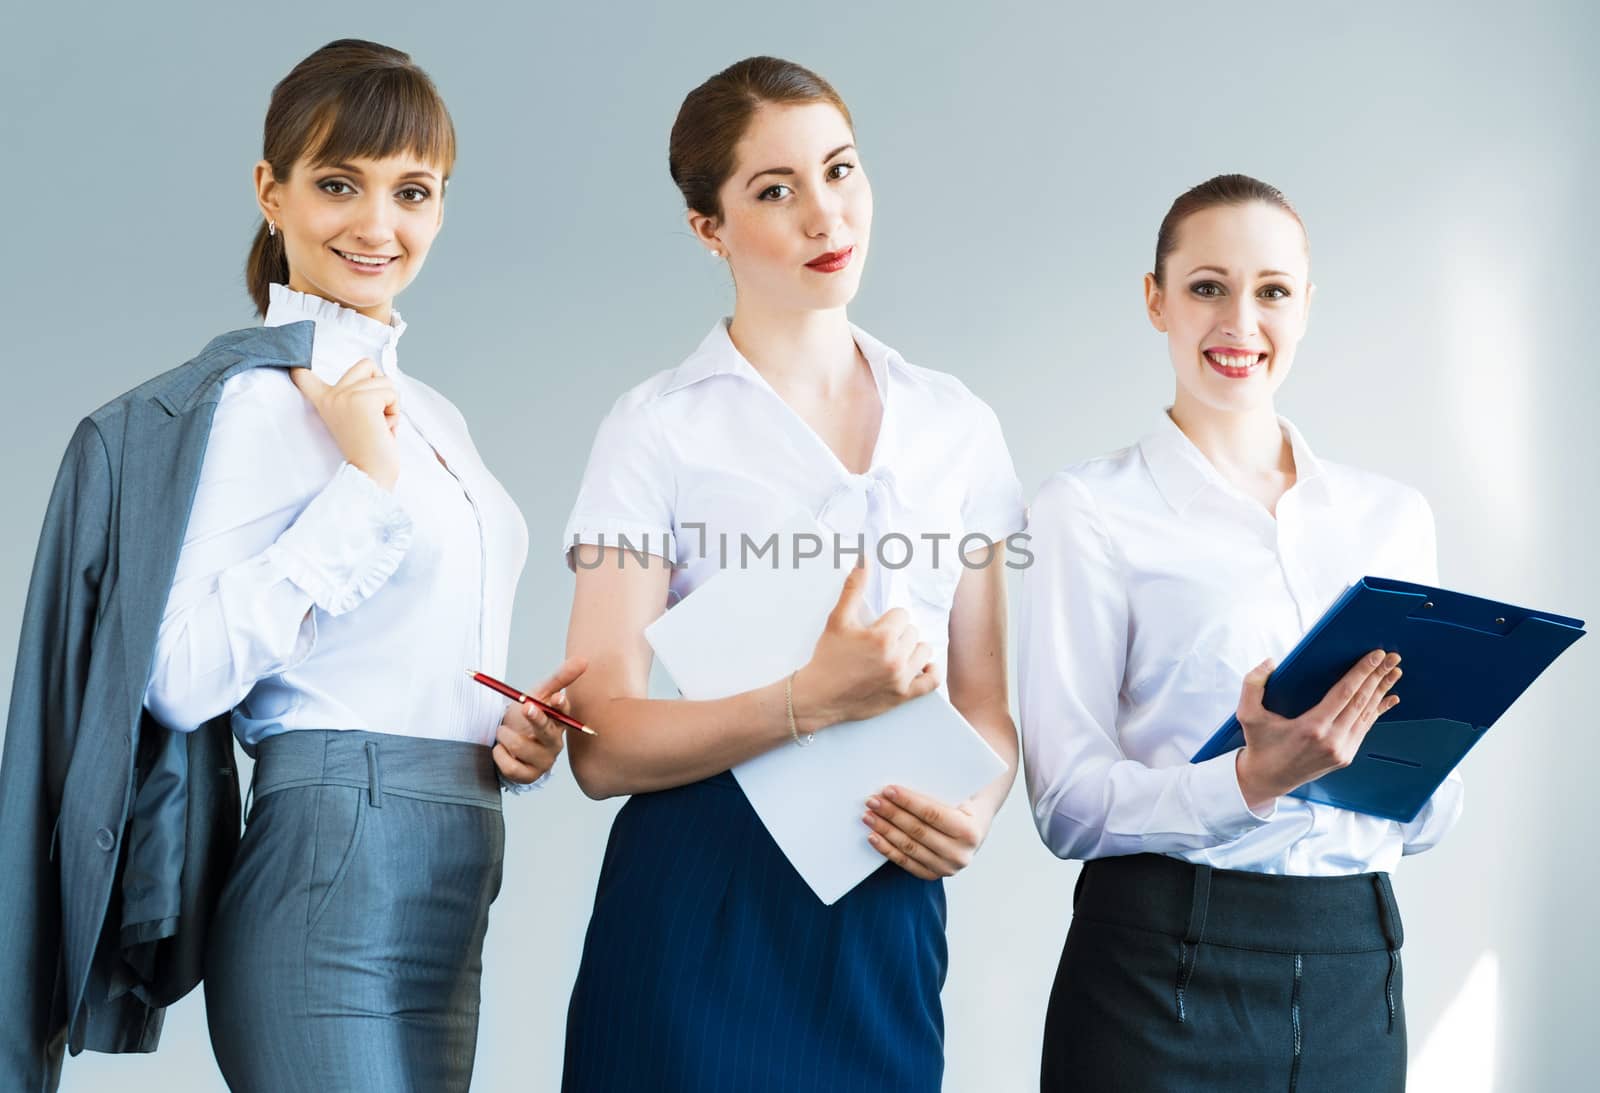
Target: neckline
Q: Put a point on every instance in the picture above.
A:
(880, 377)
(1306, 468)
(330, 312)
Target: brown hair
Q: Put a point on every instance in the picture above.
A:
(715, 115)
(1213, 192)
(348, 99)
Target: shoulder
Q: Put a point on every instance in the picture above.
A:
(1094, 481)
(941, 392)
(209, 374)
(639, 407)
(940, 417)
(1357, 486)
(1085, 497)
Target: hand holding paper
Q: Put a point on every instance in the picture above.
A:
(746, 628)
(926, 838)
(861, 669)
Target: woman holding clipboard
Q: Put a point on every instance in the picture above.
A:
(709, 965)
(1224, 936)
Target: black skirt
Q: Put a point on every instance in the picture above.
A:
(1188, 978)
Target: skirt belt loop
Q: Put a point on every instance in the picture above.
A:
(1393, 934)
(374, 776)
(1194, 933)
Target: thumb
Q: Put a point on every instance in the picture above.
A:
(848, 610)
(308, 383)
(926, 681)
(364, 369)
(1255, 688)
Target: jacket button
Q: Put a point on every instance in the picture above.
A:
(104, 839)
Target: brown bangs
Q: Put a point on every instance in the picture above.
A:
(390, 112)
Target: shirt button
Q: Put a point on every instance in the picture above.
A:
(104, 839)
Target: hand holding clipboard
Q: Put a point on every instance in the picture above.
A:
(1281, 753)
(1467, 660)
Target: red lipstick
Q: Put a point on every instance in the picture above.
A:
(833, 261)
(1236, 364)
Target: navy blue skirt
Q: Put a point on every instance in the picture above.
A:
(710, 965)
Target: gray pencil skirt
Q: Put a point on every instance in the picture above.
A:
(347, 948)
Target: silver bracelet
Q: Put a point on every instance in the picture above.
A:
(788, 701)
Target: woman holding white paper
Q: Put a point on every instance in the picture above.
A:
(709, 965)
(1224, 936)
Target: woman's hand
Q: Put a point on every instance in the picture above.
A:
(528, 741)
(924, 837)
(1282, 754)
(362, 412)
(858, 671)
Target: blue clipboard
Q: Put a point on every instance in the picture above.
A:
(1465, 659)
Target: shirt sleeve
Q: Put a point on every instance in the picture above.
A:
(517, 789)
(626, 497)
(1443, 809)
(1089, 799)
(993, 505)
(255, 563)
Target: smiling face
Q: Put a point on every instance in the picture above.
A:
(355, 232)
(796, 210)
(1233, 302)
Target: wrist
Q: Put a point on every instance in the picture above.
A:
(1258, 796)
(809, 713)
(983, 811)
(385, 477)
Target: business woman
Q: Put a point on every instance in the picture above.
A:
(709, 965)
(1224, 936)
(347, 555)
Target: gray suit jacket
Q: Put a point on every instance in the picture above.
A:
(116, 834)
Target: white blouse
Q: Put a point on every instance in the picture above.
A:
(696, 456)
(1156, 586)
(307, 597)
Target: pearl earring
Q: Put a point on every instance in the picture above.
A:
(272, 227)
(716, 254)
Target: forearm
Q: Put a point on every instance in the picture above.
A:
(1090, 801)
(994, 724)
(646, 744)
(224, 630)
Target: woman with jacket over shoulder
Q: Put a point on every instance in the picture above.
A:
(348, 556)
(1224, 936)
(709, 964)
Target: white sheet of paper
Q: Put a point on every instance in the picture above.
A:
(745, 628)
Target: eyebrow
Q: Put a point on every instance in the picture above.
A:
(352, 169)
(790, 170)
(1219, 269)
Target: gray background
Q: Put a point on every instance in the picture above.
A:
(1021, 156)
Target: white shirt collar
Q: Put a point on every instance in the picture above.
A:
(343, 335)
(1182, 472)
(718, 356)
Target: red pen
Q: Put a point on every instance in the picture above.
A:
(517, 696)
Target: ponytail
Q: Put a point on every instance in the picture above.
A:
(267, 265)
